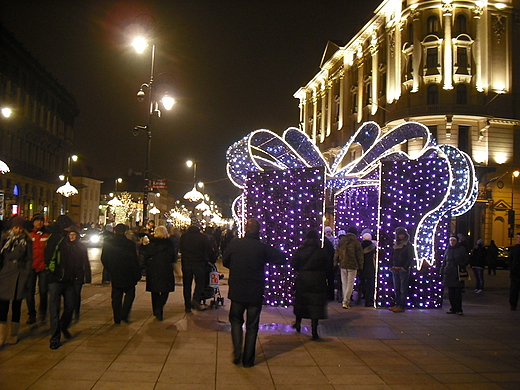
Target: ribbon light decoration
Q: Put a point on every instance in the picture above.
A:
(264, 150)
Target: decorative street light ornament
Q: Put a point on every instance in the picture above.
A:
(3, 167)
(114, 202)
(193, 195)
(67, 190)
(154, 210)
(202, 206)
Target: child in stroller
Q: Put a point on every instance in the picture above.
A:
(211, 290)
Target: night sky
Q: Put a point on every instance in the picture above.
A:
(234, 67)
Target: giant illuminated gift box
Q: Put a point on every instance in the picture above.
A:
(382, 189)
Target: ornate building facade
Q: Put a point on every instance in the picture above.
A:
(451, 65)
(37, 138)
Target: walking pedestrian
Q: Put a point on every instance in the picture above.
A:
(312, 264)
(39, 236)
(367, 276)
(119, 257)
(79, 255)
(349, 255)
(66, 264)
(514, 274)
(195, 253)
(401, 261)
(492, 258)
(246, 259)
(477, 262)
(455, 258)
(15, 268)
(159, 256)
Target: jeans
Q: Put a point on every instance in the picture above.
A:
(16, 307)
(401, 279)
(77, 300)
(348, 276)
(236, 318)
(189, 271)
(122, 306)
(56, 291)
(479, 278)
(43, 291)
(455, 296)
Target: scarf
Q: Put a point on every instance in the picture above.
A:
(400, 244)
(12, 241)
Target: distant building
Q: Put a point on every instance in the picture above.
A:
(453, 66)
(37, 139)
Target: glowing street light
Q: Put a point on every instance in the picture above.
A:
(140, 44)
(68, 190)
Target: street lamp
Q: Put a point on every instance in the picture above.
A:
(68, 189)
(511, 214)
(118, 180)
(193, 195)
(140, 44)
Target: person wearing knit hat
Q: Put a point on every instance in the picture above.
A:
(401, 260)
(367, 275)
(16, 263)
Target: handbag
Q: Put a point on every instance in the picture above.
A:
(463, 274)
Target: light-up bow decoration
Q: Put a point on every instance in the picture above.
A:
(263, 149)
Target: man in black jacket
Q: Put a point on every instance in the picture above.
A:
(195, 253)
(119, 257)
(246, 259)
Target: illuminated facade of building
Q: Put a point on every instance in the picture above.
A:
(450, 65)
(36, 139)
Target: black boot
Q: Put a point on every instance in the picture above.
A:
(298, 324)
(315, 335)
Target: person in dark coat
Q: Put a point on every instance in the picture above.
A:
(65, 267)
(195, 253)
(312, 264)
(367, 276)
(514, 274)
(246, 259)
(477, 261)
(492, 258)
(15, 269)
(456, 256)
(401, 262)
(78, 251)
(119, 257)
(159, 256)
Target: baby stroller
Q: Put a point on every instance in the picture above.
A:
(211, 290)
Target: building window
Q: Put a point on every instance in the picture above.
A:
(462, 94)
(410, 32)
(432, 58)
(462, 60)
(433, 94)
(433, 131)
(464, 132)
(433, 24)
(460, 22)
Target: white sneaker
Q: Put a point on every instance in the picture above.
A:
(478, 291)
(475, 291)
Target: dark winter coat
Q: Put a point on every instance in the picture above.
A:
(514, 263)
(73, 264)
(194, 247)
(246, 259)
(311, 262)
(478, 257)
(492, 255)
(402, 255)
(119, 257)
(159, 256)
(15, 268)
(369, 262)
(455, 256)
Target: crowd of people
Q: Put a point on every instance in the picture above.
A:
(54, 260)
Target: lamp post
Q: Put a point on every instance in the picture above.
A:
(140, 45)
(511, 214)
(118, 180)
(193, 195)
